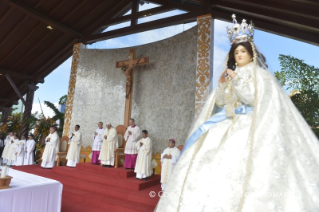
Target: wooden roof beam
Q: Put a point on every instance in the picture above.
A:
(150, 12)
(178, 19)
(178, 5)
(32, 12)
(15, 88)
(15, 74)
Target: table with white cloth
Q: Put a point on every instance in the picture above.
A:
(31, 193)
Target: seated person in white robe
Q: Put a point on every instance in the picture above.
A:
(143, 167)
(19, 151)
(52, 142)
(168, 159)
(75, 142)
(11, 154)
(29, 150)
(7, 145)
(110, 143)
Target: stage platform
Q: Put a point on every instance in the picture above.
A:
(92, 188)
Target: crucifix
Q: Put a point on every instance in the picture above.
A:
(128, 67)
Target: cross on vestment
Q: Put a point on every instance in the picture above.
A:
(128, 68)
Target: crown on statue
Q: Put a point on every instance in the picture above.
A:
(240, 32)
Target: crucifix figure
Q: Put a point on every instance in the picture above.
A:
(128, 67)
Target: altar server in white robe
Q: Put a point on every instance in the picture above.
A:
(97, 144)
(7, 145)
(75, 142)
(20, 150)
(29, 150)
(52, 142)
(131, 136)
(168, 159)
(110, 143)
(11, 154)
(143, 167)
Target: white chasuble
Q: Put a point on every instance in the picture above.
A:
(73, 155)
(11, 153)
(20, 150)
(130, 147)
(97, 140)
(7, 144)
(108, 147)
(29, 150)
(168, 164)
(143, 165)
(50, 150)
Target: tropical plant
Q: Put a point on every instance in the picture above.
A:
(57, 116)
(304, 78)
(63, 100)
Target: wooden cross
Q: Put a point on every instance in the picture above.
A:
(128, 67)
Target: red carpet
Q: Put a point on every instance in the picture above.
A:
(92, 188)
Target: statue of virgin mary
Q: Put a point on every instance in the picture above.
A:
(250, 149)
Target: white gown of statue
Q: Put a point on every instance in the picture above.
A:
(284, 173)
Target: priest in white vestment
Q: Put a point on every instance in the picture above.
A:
(143, 168)
(168, 159)
(110, 143)
(11, 153)
(7, 145)
(52, 142)
(97, 144)
(75, 142)
(131, 136)
(19, 151)
(29, 151)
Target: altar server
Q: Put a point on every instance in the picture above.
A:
(143, 168)
(97, 144)
(52, 142)
(75, 142)
(110, 143)
(131, 136)
(168, 159)
(29, 151)
(7, 145)
(20, 150)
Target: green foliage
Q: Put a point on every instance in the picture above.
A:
(297, 75)
(63, 100)
(57, 116)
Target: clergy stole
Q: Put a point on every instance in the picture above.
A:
(144, 157)
(29, 148)
(75, 147)
(51, 147)
(168, 164)
(130, 147)
(109, 144)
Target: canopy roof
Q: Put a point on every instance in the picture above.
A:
(30, 50)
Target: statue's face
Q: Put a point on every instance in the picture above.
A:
(242, 56)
